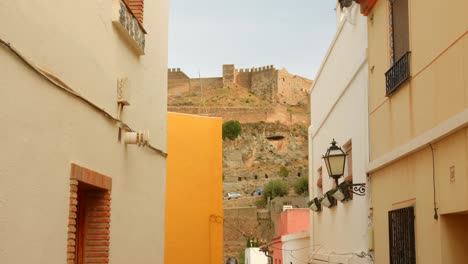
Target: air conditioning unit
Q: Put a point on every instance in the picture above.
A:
(286, 207)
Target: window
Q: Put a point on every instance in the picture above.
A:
(400, 28)
(399, 49)
(401, 236)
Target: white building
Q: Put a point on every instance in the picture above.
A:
(339, 111)
(296, 248)
(255, 256)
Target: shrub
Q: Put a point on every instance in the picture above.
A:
(231, 129)
(283, 172)
(261, 203)
(274, 189)
(242, 256)
(301, 186)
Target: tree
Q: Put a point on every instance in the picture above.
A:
(301, 186)
(274, 189)
(231, 129)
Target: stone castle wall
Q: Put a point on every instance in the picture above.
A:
(246, 114)
(178, 81)
(267, 83)
(206, 83)
(293, 89)
(264, 83)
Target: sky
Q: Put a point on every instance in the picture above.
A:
(205, 34)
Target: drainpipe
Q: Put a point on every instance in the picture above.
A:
(266, 251)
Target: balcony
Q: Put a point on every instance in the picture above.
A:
(129, 26)
(398, 73)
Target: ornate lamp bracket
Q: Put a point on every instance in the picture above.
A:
(356, 188)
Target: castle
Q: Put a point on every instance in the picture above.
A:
(267, 83)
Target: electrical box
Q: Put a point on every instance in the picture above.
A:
(122, 91)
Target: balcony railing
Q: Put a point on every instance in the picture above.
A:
(129, 26)
(398, 73)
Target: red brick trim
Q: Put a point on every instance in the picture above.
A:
(90, 177)
(95, 216)
(136, 7)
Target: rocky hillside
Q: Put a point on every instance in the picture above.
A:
(264, 151)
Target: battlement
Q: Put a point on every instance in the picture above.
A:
(256, 69)
(266, 82)
(174, 70)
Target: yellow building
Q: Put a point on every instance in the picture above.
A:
(418, 98)
(194, 198)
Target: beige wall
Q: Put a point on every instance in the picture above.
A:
(420, 113)
(412, 177)
(454, 238)
(437, 90)
(45, 129)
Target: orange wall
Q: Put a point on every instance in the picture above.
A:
(194, 190)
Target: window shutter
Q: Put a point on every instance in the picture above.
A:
(400, 28)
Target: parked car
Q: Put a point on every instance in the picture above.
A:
(232, 195)
(257, 192)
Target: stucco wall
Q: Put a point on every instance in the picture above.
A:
(255, 256)
(293, 221)
(339, 111)
(438, 89)
(412, 176)
(46, 129)
(419, 113)
(296, 248)
(194, 208)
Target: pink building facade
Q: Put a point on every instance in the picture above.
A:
(290, 222)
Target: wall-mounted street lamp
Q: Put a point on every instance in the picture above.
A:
(335, 160)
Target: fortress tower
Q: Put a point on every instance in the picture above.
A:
(229, 75)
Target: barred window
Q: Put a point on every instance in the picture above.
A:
(401, 236)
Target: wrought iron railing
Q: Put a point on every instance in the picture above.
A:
(398, 73)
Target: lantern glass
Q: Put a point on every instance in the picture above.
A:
(335, 159)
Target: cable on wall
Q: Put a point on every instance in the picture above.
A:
(57, 82)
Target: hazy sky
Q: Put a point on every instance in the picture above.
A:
(205, 34)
